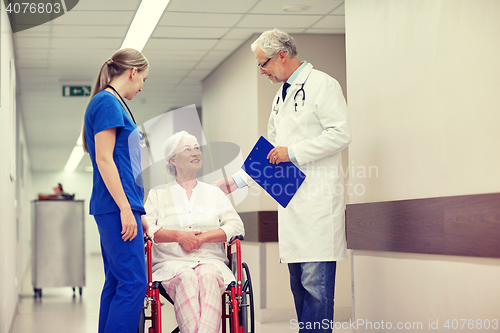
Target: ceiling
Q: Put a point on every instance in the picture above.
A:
(191, 39)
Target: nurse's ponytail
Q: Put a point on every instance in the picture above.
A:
(121, 61)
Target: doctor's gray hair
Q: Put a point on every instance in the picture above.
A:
(273, 41)
(170, 150)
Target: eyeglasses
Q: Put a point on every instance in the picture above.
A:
(263, 65)
(187, 151)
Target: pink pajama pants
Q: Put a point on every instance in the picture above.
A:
(196, 293)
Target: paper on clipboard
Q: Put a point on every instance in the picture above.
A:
(281, 181)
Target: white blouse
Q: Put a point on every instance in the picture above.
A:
(208, 209)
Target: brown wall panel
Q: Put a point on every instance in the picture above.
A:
(260, 226)
(268, 226)
(463, 225)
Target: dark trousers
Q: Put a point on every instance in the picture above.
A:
(313, 288)
(122, 296)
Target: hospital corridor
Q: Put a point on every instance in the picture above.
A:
(58, 311)
(345, 151)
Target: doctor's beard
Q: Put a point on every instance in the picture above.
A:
(278, 76)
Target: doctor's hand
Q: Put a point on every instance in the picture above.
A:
(188, 240)
(228, 187)
(278, 155)
(129, 224)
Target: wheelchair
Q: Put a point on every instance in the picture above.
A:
(237, 300)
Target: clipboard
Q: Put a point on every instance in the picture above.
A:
(281, 181)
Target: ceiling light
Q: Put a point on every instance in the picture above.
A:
(74, 159)
(79, 142)
(76, 156)
(295, 8)
(145, 20)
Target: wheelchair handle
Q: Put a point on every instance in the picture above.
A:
(240, 237)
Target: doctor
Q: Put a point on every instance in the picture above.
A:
(308, 125)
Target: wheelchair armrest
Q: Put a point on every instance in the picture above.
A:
(240, 237)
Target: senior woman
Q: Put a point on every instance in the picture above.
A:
(189, 221)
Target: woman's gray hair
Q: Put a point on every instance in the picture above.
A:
(273, 41)
(170, 150)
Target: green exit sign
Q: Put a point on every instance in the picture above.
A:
(70, 91)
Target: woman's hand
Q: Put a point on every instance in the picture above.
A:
(188, 240)
(145, 226)
(213, 236)
(129, 224)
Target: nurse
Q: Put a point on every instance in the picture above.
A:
(111, 139)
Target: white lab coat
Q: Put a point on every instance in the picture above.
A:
(312, 227)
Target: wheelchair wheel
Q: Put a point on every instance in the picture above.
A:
(247, 313)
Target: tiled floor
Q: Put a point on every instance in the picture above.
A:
(57, 311)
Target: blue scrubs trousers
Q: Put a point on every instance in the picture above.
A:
(122, 296)
(313, 288)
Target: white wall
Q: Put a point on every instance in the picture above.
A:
(24, 212)
(230, 97)
(236, 103)
(9, 267)
(423, 95)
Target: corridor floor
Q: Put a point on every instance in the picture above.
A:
(59, 312)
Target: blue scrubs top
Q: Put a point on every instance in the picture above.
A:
(106, 111)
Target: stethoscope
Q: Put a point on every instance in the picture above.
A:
(302, 93)
(303, 96)
(141, 135)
